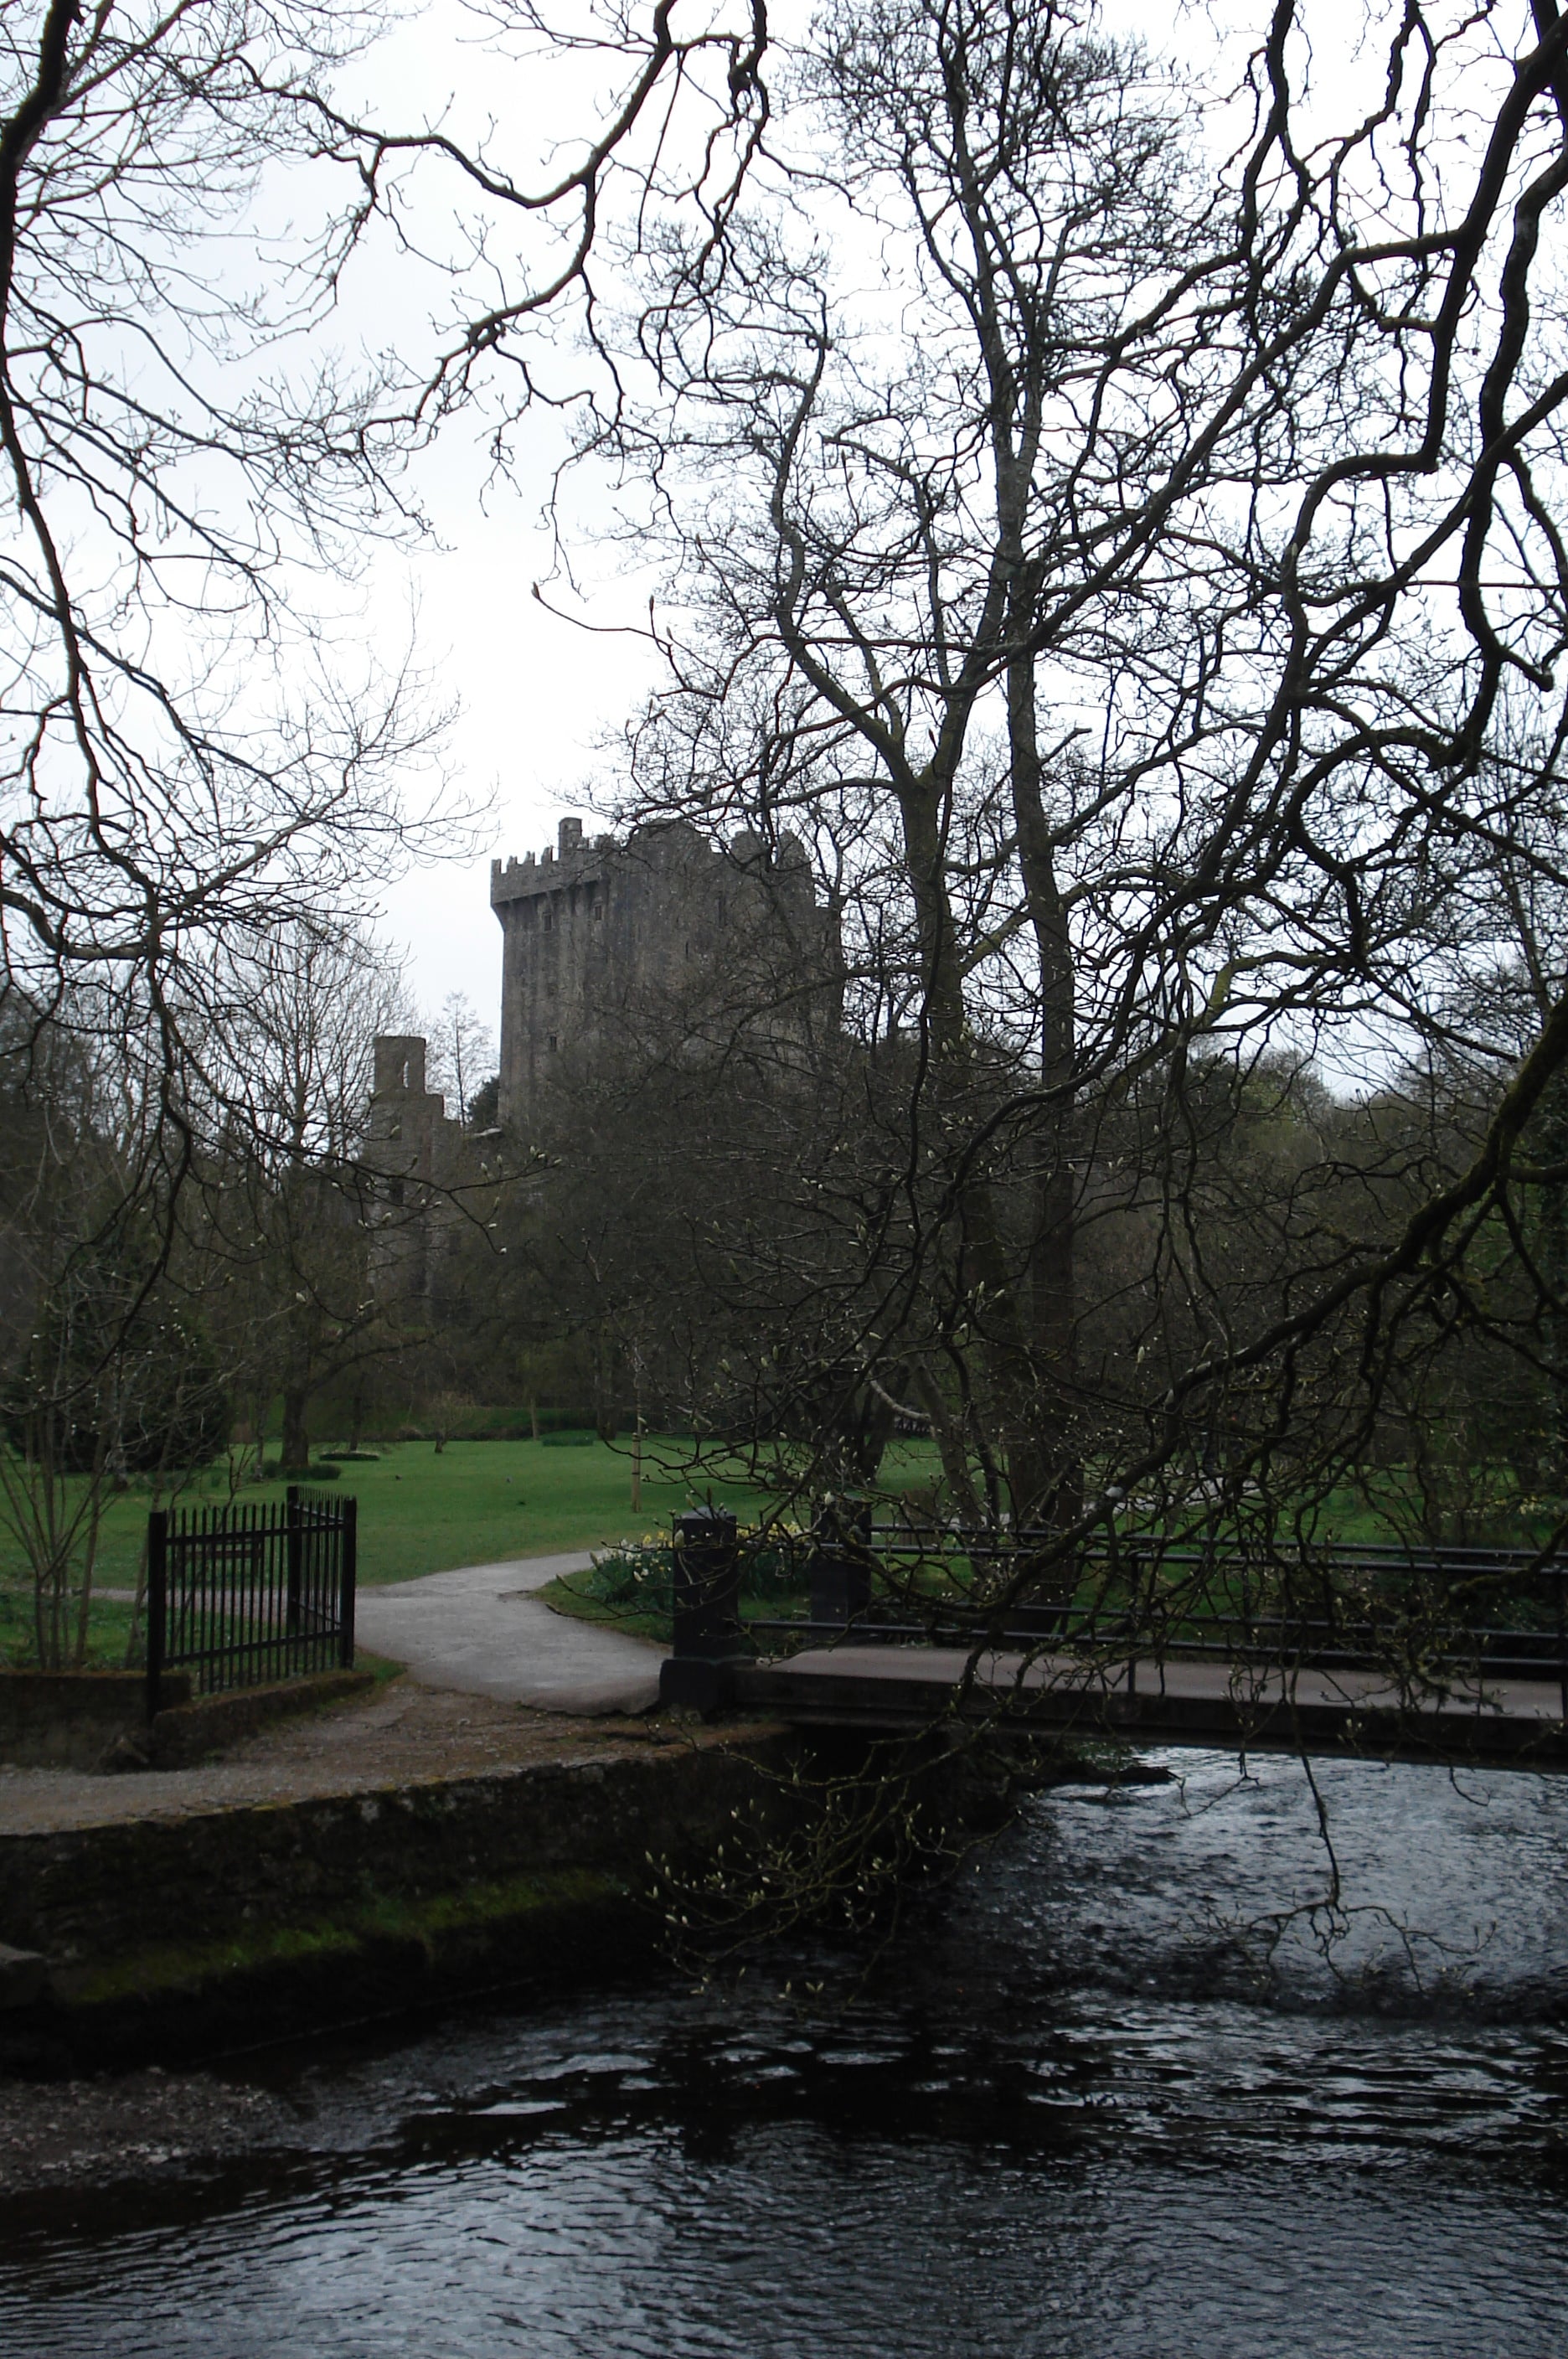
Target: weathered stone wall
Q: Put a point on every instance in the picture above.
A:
(97, 1720)
(176, 1933)
(419, 1156)
(665, 928)
(409, 1127)
(70, 1720)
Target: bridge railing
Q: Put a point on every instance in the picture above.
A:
(1429, 1619)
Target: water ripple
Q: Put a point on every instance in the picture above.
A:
(1123, 2096)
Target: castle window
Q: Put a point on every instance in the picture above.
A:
(547, 921)
(598, 912)
(552, 1042)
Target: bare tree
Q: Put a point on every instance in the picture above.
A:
(1146, 607)
(192, 757)
(461, 1052)
(198, 768)
(279, 1227)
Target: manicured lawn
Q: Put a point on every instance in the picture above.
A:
(479, 1502)
(472, 1502)
(420, 1511)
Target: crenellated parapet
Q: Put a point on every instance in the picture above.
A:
(599, 932)
(572, 859)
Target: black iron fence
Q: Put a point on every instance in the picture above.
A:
(244, 1595)
(1427, 1618)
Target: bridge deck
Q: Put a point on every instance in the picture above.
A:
(1177, 1703)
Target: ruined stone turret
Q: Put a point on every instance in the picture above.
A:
(409, 1125)
(416, 1153)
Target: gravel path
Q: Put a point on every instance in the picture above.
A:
(498, 1680)
(481, 1631)
(405, 1733)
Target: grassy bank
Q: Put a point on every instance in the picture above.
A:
(475, 1501)
(422, 1510)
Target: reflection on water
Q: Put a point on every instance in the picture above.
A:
(1119, 2097)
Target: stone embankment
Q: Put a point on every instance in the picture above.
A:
(374, 1858)
(98, 1719)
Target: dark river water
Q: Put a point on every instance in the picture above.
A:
(1111, 2098)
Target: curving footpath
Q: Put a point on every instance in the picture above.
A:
(482, 1631)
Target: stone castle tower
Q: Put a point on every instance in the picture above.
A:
(665, 925)
(419, 1156)
(414, 1139)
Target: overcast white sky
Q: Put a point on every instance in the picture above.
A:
(533, 695)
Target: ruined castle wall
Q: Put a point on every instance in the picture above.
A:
(416, 1151)
(408, 1125)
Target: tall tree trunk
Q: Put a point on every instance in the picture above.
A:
(1550, 1142)
(1053, 1240)
(296, 1449)
(989, 1278)
(950, 1444)
(606, 1412)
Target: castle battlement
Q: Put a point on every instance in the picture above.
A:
(571, 860)
(596, 929)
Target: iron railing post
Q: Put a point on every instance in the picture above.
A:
(295, 1544)
(841, 1562)
(349, 1539)
(156, 1606)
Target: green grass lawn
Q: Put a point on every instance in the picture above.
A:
(108, 1630)
(472, 1502)
(423, 1511)
(479, 1502)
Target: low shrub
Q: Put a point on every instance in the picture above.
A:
(640, 1574)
